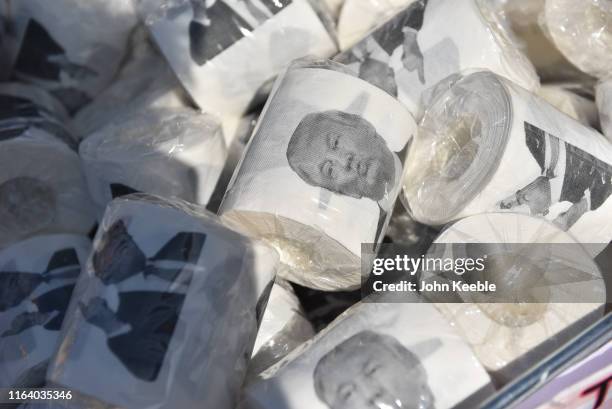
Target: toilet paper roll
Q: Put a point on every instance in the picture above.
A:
(283, 327)
(37, 277)
(508, 338)
(582, 32)
(327, 152)
(144, 82)
(224, 53)
(42, 187)
(604, 105)
(420, 46)
(565, 100)
(495, 147)
(25, 106)
(166, 310)
(55, 50)
(358, 17)
(167, 152)
(378, 355)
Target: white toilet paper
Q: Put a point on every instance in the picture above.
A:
(494, 147)
(224, 52)
(144, 82)
(166, 312)
(379, 355)
(36, 281)
(168, 152)
(565, 100)
(509, 338)
(327, 152)
(421, 46)
(283, 327)
(358, 17)
(604, 104)
(42, 187)
(69, 47)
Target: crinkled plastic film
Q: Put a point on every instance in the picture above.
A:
(508, 338)
(283, 328)
(565, 99)
(377, 355)
(492, 146)
(37, 277)
(604, 104)
(407, 55)
(42, 186)
(73, 68)
(582, 32)
(168, 152)
(327, 151)
(159, 306)
(227, 53)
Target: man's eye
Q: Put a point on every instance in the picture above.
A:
(334, 141)
(346, 391)
(372, 370)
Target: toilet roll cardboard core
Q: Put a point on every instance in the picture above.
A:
(514, 315)
(26, 204)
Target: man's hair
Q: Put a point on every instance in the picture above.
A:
(307, 128)
(363, 339)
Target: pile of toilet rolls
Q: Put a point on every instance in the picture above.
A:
(275, 193)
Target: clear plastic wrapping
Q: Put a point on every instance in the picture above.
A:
(226, 52)
(377, 355)
(283, 328)
(144, 82)
(327, 151)
(493, 146)
(410, 53)
(159, 307)
(563, 97)
(604, 104)
(37, 277)
(54, 48)
(168, 152)
(508, 338)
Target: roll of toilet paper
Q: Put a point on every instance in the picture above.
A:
(167, 152)
(144, 82)
(495, 147)
(604, 105)
(378, 355)
(56, 50)
(225, 53)
(420, 46)
(166, 309)
(582, 32)
(37, 277)
(26, 106)
(283, 327)
(561, 278)
(42, 187)
(327, 151)
(565, 100)
(358, 17)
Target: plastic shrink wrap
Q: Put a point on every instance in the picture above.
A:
(567, 100)
(42, 187)
(557, 285)
(73, 68)
(328, 150)
(166, 310)
(227, 52)
(167, 152)
(410, 53)
(37, 277)
(284, 327)
(382, 355)
(496, 147)
(604, 104)
(144, 82)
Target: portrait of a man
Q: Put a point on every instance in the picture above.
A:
(343, 153)
(372, 371)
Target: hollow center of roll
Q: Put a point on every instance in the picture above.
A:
(26, 205)
(295, 254)
(459, 148)
(514, 315)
